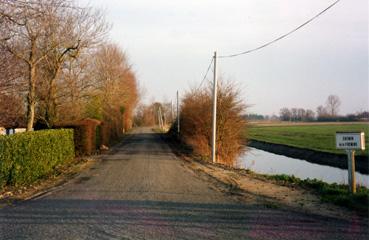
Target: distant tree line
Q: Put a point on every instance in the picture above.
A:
(296, 114)
(260, 117)
(56, 65)
(255, 117)
(149, 114)
(329, 112)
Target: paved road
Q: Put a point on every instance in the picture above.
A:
(144, 192)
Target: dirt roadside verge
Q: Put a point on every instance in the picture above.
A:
(252, 188)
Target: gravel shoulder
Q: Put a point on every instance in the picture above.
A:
(250, 187)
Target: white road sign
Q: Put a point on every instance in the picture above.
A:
(350, 140)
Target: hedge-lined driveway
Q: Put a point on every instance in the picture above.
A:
(143, 191)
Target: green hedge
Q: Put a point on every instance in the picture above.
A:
(26, 157)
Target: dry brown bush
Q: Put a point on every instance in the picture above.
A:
(196, 122)
(85, 135)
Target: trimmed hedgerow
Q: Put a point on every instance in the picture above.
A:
(26, 157)
(85, 135)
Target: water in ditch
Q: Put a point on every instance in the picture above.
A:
(260, 161)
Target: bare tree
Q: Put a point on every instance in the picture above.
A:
(301, 114)
(309, 115)
(333, 104)
(43, 34)
(285, 114)
(294, 114)
(116, 92)
(73, 31)
(297, 114)
(11, 111)
(75, 88)
(11, 73)
(23, 29)
(145, 115)
(321, 112)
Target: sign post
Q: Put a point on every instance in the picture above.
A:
(351, 170)
(350, 141)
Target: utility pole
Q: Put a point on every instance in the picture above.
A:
(178, 113)
(215, 92)
(163, 118)
(171, 112)
(159, 117)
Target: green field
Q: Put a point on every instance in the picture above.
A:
(315, 137)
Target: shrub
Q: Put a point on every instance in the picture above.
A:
(196, 122)
(106, 133)
(26, 157)
(98, 136)
(85, 132)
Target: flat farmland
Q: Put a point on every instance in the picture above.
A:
(318, 137)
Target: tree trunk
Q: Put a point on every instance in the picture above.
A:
(50, 111)
(31, 101)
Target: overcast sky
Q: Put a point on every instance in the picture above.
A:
(170, 44)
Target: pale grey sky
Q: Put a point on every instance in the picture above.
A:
(170, 44)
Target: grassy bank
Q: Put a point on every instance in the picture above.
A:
(237, 179)
(331, 193)
(314, 137)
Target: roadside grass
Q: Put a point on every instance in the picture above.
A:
(337, 194)
(332, 193)
(59, 176)
(315, 137)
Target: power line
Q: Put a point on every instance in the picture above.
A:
(283, 36)
(206, 74)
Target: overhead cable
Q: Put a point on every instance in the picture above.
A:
(206, 74)
(281, 37)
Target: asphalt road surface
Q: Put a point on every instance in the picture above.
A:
(143, 191)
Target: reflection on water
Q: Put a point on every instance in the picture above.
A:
(269, 163)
